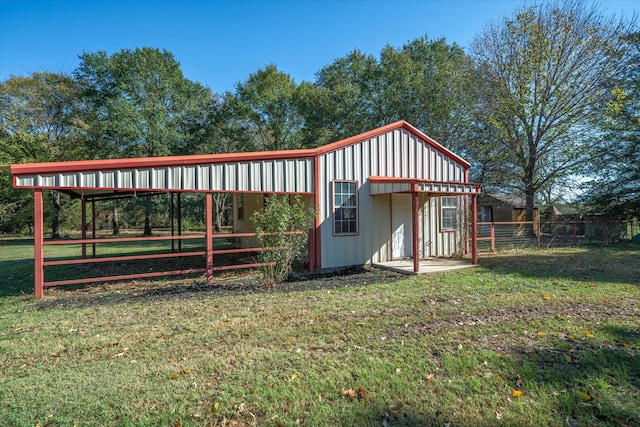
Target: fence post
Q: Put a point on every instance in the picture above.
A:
(538, 234)
(209, 235)
(605, 234)
(492, 235)
(575, 233)
(83, 214)
(38, 243)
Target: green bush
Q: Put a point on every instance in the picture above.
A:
(281, 228)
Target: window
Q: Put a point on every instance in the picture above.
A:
(345, 207)
(449, 213)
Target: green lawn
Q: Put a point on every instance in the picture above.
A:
(542, 337)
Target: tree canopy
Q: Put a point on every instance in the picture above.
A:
(139, 103)
(541, 78)
(615, 189)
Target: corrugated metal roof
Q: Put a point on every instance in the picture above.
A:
(289, 171)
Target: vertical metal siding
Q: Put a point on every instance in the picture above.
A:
(398, 154)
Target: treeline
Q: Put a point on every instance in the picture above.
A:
(545, 104)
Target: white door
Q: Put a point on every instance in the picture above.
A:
(401, 228)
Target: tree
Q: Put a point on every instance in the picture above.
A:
(424, 82)
(540, 82)
(41, 121)
(616, 187)
(263, 106)
(141, 105)
(342, 101)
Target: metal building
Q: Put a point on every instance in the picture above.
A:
(389, 193)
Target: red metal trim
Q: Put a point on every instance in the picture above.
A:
(388, 128)
(123, 277)
(393, 180)
(93, 227)
(121, 239)
(151, 162)
(474, 227)
(415, 206)
(209, 236)
(179, 221)
(38, 240)
(83, 214)
(123, 258)
(319, 214)
(171, 220)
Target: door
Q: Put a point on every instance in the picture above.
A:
(401, 226)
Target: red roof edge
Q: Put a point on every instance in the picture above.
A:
(150, 162)
(401, 124)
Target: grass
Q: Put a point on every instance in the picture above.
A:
(543, 337)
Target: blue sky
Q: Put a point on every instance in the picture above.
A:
(219, 43)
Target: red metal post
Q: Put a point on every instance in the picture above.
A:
(415, 206)
(171, 220)
(319, 213)
(93, 226)
(179, 207)
(83, 202)
(209, 235)
(38, 243)
(474, 226)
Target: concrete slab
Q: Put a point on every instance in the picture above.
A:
(427, 266)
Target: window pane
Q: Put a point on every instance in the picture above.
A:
(345, 220)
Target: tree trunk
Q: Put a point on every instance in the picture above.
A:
(147, 223)
(115, 222)
(219, 207)
(55, 221)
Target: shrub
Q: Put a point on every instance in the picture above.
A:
(281, 228)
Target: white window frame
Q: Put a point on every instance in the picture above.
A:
(345, 207)
(449, 213)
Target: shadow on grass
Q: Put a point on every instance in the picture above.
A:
(615, 263)
(104, 294)
(581, 377)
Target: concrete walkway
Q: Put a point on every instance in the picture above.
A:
(427, 266)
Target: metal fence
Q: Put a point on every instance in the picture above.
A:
(546, 234)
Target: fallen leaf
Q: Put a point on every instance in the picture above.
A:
(584, 396)
(362, 394)
(174, 376)
(350, 393)
(429, 377)
(606, 301)
(546, 297)
(186, 371)
(541, 334)
(516, 393)
(294, 377)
